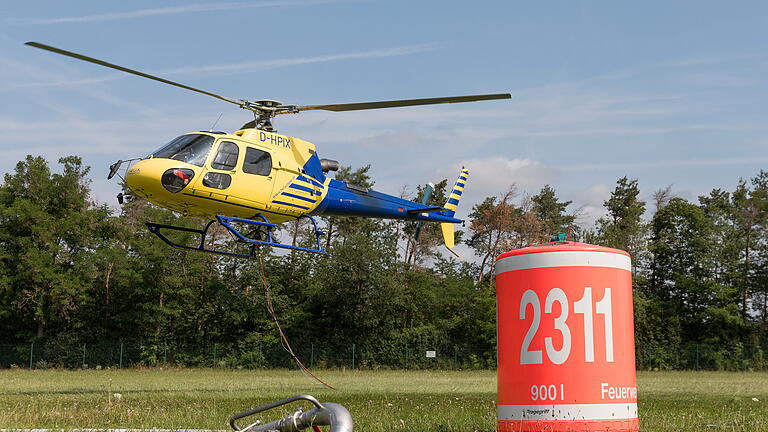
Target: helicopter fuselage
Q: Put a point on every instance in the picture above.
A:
(254, 172)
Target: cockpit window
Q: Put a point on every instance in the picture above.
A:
(191, 149)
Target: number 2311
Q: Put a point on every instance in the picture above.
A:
(582, 306)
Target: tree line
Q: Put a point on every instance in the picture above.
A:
(75, 272)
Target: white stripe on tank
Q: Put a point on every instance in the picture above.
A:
(563, 259)
(609, 411)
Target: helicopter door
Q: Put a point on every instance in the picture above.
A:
(257, 177)
(248, 189)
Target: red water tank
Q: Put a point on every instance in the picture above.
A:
(566, 348)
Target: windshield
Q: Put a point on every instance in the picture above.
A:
(191, 149)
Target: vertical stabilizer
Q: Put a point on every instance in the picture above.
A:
(458, 190)
(453, 202)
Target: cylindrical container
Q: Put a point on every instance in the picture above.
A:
(566, 347)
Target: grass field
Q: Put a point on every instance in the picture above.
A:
(379, 401)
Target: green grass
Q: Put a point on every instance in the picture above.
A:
(379, 401)
(703, 401)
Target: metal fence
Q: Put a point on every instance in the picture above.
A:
(351, 356)
(354, 356)
(695, 356)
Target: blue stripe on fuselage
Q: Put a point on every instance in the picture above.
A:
(310, 181)
(289, 204)
(298, 197)
(301, 188)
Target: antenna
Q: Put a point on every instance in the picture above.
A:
(216, 122)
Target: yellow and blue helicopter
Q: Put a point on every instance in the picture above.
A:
(259, 178)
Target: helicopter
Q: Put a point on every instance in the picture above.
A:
(257, 178)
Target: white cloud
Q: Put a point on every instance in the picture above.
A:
(217, 69)
(700, 61)
(467, 126)
(143, 13)
(589, 203)
(62, 83)
(588, 215)
(595, 195)
(276, 63)
(495, 174)
(665, 164)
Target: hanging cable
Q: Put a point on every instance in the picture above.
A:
(283, 338)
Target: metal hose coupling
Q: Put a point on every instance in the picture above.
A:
(328, 414)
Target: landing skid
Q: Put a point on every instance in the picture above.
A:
(226, 222)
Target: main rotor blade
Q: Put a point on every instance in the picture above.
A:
(130, 71)
(403, 102)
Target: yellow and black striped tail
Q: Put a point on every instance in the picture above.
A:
(458, 190)
(453, 202)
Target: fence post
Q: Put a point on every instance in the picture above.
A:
(214, 354)
(165, 353)
(83, 356)
(407, 355)
(312, 355)
(697, 356)
(31, 351)
(353, 356)
(455, 357)
(121, 355)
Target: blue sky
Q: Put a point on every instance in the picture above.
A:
(666, 92)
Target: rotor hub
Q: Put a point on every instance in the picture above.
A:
(264, 111)
(266, 103)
